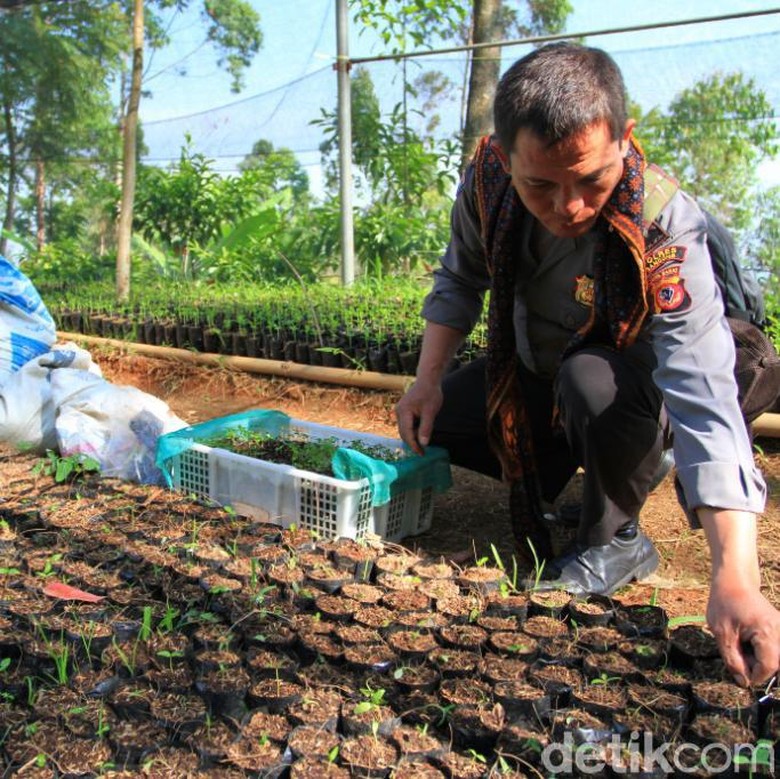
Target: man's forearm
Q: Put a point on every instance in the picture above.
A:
(732, 538)
(440, 343)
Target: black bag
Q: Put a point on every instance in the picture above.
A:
(757, 365)
(741, 293)
(756, 369)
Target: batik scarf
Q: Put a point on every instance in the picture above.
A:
(618, 311)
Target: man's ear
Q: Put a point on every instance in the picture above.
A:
(624, 140)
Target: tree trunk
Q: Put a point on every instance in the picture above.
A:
(125, 224)
(485, 69)
(10, 198)
(40, 204)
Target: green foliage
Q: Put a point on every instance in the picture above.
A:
(307, 454)
(234, 27)
(272, 170)
(399, 21)
(403, 179)
(66, 261)
(66, 468)
(192, 223)
(762, 241)
(56, 62)
(372, 698)
(180, 206)
(712, 138)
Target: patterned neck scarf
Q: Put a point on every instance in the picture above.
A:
(618, 311)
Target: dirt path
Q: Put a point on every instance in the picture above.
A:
(473, 514)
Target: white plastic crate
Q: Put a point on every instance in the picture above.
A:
(286, 495)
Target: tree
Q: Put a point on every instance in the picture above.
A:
(425, 22)
(129, 142)
(763, 245)
(275, 169)
(492, 20)
(180, 207)
(233, 26)
(712, 138)
(55, 64)
(403, 179)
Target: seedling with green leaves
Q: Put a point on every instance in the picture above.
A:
(373, 698)
(48, 567)
(68, 467)
(538, 565)
(604, 679)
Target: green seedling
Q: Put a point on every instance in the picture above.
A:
(604, 679)
(48, 567)
(68, 467)
(167, 622)
(654, 597)
(685, 620)
(145, 633)
(372, 699)
(538, 565)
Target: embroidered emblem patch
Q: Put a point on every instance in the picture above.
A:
(667, 289)
(583, 290)
(664, 256)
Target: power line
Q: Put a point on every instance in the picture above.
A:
(663, 47)
(515, 42)
(563, 36)
(239, 102)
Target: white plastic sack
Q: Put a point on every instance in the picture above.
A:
(26, 327)
(27, 408)
(116, 425)
(60, 401)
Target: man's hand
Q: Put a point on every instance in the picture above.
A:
(745, 624)
(416, 412)
(417, 409)
(747, 629)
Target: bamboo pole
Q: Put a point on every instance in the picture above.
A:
(288, 370)
(767, 425)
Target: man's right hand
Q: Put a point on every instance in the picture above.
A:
(416, 412)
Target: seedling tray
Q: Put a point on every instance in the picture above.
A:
(286, 495)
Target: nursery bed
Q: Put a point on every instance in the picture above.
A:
(187, 608)
(213, 645)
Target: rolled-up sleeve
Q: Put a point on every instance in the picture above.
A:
(459, 284)
(695, 351)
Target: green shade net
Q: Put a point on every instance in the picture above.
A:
(387, 478)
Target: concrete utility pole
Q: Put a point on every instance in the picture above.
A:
(345, 144)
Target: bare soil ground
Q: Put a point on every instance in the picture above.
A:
(473, 514)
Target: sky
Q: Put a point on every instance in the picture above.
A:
(291, 79)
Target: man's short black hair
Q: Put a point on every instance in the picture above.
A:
(557, 91)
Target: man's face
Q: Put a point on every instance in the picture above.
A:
(566, 185)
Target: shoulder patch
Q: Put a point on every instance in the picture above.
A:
(583, 290)
(664, 256)
(667, 290)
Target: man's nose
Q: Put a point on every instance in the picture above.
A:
(568, 202)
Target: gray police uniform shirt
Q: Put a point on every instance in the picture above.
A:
(692, 342)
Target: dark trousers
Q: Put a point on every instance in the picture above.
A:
(611, 423)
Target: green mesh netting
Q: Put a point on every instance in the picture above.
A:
(387, 478)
